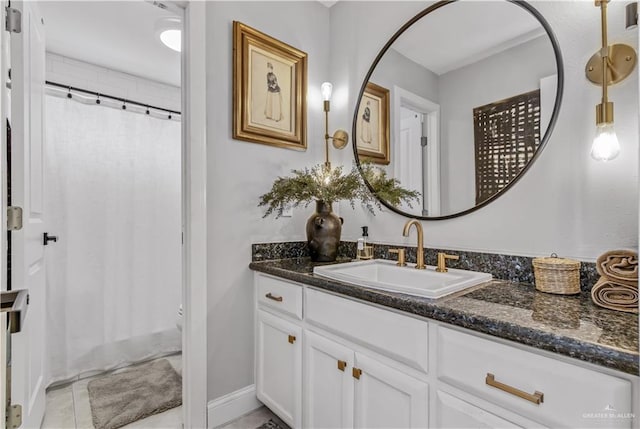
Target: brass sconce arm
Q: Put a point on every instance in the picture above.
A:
(340, 138)
(610, 65)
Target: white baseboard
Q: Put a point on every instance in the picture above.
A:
(232, 406)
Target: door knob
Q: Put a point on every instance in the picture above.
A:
(47, 238)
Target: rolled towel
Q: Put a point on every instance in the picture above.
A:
(615, 295)
(619, 265)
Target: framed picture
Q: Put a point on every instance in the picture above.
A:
(372, 126)
(269, 90)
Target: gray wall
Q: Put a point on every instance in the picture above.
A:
(239, 172)
(506, 74)
(396, 69)
(566, 203)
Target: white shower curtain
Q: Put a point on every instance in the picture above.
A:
(113, 199)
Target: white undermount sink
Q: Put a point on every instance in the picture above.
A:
(386, 275)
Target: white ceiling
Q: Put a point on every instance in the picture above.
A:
(120, 35)
(462, 33)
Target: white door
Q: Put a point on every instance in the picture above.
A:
(279, 372)
(409, 168)
(452, 412)
(388, 398)
(328, 383)
(27, 191)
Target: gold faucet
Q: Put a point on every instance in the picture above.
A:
(420, 252)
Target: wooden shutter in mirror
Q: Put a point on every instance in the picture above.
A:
(507, 135)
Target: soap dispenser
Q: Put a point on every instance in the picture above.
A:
(365, 251)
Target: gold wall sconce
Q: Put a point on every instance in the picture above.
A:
(610, 65)
(340, 138)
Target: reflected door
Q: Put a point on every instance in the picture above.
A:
(410, 154)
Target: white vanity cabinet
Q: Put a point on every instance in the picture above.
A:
(279, 359)
(546, 390)
(328, 383)
(279, 348)
(345, 389)
(359, 365)
(454, 413)
(386, 397)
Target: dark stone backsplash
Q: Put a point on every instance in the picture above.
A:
(504, 267)
(294, 249)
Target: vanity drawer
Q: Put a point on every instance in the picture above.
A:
(573, 396)
(402, 338)
(281, 295)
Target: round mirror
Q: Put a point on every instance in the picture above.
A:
(459, 103)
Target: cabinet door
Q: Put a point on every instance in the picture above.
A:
(388, 398)
(328, 384)
(279, 369)
(452, 412)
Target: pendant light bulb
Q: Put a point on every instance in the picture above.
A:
(326, 90)
(605, 144)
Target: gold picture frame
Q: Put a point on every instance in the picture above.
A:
(269, 90)
(372, 126)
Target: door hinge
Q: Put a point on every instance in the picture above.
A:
(14, 416)
(14, 218)
(423, 141)
(13, 20)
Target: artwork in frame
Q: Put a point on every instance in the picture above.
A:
(269, 90)
(372, 126)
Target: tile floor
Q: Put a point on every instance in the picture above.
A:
(254, 419)
(68, 407)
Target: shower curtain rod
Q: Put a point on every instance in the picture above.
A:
(101, 95)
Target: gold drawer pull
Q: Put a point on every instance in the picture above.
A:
(536, 398)
(342, 365)
(356, 372)
(274, 297)
(292, 339)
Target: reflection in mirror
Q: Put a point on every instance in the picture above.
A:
(472, 87)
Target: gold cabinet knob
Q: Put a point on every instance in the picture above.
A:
(356, 372)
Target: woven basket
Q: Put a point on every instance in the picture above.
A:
(557, 275)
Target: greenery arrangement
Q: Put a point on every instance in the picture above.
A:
(331, 185)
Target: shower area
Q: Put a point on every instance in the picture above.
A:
(113, 186)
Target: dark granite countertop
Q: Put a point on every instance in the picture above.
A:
(569, 325)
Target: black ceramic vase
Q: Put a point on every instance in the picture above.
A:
(323, 233)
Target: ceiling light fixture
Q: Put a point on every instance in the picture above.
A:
(169, 30)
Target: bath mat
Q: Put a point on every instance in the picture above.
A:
(122, 398)
(271, 424)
